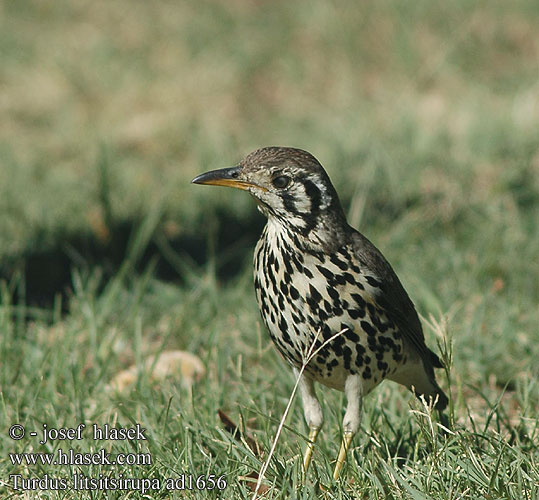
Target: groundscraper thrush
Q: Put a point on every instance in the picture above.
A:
(326, 293)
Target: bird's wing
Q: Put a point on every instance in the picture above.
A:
(393, 299)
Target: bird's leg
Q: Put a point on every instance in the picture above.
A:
(313, 415)
(352, 418)
(313, 434)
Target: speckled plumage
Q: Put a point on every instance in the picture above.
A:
(317, 277)
(307, 298)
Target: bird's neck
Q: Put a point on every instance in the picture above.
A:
(326, 234)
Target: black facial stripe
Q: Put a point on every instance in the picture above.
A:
(269, 209)
(288, 202)
(315, 197)
(313, 192)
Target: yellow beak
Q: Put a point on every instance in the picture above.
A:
(223, 177)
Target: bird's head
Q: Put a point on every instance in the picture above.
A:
(289, 185)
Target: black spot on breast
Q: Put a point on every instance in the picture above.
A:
(373, 282)
(334, 294)
(339, 278)
(284, 330)
(339, 340)
(312, 321)
(325, 272)
(367, 328)
(326, 332)
(349, 278)
(294, 306)
(382, 327)
(358, 299)
(314, 294)
(341, 264)
(347, 356)
(319, 255)
(272, 279)
(356, 313)
(294, 292)
(296, 261)
(350, 335)
(288, 266)
(371, 342)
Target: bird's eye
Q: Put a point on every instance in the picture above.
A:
(281, 181)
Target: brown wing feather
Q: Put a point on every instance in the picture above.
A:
(394, 300)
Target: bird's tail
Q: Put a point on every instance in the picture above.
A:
(418, 376)
(435, 360)
(436, 395)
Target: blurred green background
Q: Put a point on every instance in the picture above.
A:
(425, 115)
(404, 103)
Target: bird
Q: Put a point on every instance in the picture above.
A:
(333, 305)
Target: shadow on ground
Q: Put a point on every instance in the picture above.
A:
(43, 275)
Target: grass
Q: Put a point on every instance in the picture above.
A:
(426, 117)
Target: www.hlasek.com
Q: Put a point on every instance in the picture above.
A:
(72, 457)
(101, 457)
